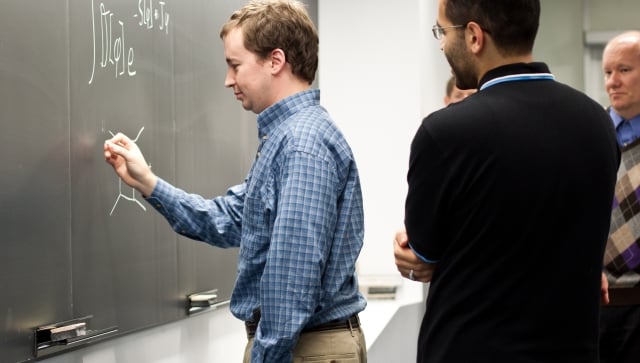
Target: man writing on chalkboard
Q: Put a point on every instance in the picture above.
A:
(298, 216)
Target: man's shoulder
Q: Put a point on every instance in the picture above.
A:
(457, 115)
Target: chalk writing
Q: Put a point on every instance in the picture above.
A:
(131, 198)
(151, 13)
(113, 51)
(110, 49)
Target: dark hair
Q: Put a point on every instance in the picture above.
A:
(512, 24)
(279, 24)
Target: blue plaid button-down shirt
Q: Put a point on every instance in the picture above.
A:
(298, 220)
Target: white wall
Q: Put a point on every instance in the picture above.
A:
(380, 72)
(560, 40)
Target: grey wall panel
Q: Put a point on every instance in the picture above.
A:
(121, 77)
(35, 268)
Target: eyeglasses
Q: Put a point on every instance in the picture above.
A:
(438, 31)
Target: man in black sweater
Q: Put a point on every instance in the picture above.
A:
(509, 199)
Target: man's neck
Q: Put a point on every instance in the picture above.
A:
(289, 87)
(498, 61)
(630, 113)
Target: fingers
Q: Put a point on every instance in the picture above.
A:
(408, 263)
(120, 139)
(419, 275)
(604, 289)
(405, 259)
(411, 276)
(114, 149)
(401, 238)
(118, 145)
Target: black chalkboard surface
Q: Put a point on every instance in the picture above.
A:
(76, 243)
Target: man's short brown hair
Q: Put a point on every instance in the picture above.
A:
(279, 24)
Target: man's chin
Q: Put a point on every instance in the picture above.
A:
(618, 103)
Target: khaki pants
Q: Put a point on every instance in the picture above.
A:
(328, 346)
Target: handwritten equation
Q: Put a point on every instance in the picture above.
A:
(110, 49)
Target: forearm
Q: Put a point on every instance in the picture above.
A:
(215, 221)
(147, 184)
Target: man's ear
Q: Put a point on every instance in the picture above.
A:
(278, 60)
(475, 37)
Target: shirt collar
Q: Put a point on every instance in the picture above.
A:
(505, 71)
(617, 119)
(274, 115)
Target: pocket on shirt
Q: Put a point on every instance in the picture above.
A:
(257, 224)
(259, 204)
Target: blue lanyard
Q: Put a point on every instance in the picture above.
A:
(518, 77)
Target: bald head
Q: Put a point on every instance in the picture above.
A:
(629, 37)
(621, 66)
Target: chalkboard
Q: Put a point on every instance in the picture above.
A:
(77, 243)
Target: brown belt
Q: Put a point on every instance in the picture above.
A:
(351, 323)
(624, 295)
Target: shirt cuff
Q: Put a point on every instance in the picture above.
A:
(420, 256)
(162, 194)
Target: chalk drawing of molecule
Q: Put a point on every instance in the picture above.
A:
(131, 198)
